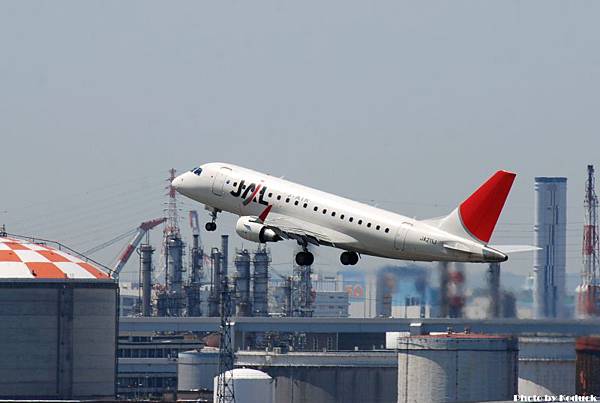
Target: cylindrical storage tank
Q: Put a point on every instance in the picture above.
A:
(261, 282)
(546, 366)
(457, 367)
(326, 376)
(249, 385)
(197, 369)
(587, 366)
(550, 231)
(58, 316)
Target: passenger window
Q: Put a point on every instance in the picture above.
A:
(359, 222)
(287, 199)
(351, 219)
(369, 225)
(296, 203)
(234, 183)
(316, 208)
(271, 194)
(278, 197)
(387, 230)
(324, 211)
(377, 227)
(342, 217)
(333, 213)
(305, 205)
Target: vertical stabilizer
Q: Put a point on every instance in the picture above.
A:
(477, 216)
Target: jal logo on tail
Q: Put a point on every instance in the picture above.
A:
(248, 193)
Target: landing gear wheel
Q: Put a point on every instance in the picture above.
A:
(304, 258)
(212, 225)
(349, 258)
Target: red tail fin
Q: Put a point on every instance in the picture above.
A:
(480, 212)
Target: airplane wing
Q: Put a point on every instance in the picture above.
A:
(302, 231)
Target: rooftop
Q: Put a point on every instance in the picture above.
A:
(22, 259)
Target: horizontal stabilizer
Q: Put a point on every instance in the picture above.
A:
(515, 248)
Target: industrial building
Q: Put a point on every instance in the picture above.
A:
(59, 323)
(587, 365)
(204, 323)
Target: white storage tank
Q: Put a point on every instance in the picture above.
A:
(457, 367)
(58, 316)
(328, 376)
(197, 369)
(546, 366)
(249, 385)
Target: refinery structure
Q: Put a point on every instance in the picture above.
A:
(222, 323)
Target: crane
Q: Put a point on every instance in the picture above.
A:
(126, 254)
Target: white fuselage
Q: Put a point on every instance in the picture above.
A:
(362, 228)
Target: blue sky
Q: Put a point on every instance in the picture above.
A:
(408, 105)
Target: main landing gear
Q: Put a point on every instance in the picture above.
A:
(212, 225)
(349, 258)
(304, 258)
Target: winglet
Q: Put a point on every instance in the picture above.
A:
(263, 216)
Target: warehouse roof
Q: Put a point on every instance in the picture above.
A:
(24, 259)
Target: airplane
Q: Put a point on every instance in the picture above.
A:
(272, 209)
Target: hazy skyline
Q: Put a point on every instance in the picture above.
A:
(407, 105)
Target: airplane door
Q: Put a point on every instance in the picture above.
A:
(219, 181)
(401, 235)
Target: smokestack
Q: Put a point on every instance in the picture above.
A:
(261, 282)
(550, 229)
(146, 261)
(224, 254)
(242, 283)
(215, 295)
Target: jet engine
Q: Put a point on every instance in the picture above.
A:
(249, 229)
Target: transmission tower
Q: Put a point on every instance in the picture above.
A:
(172, 212)
(225, 390)
(590, 232)
(172, 254)
(589, 290)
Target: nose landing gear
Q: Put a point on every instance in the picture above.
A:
(212, 225)
(349, 258)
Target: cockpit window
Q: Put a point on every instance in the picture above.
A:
(197, 171)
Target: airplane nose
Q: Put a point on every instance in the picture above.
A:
(178, 182)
